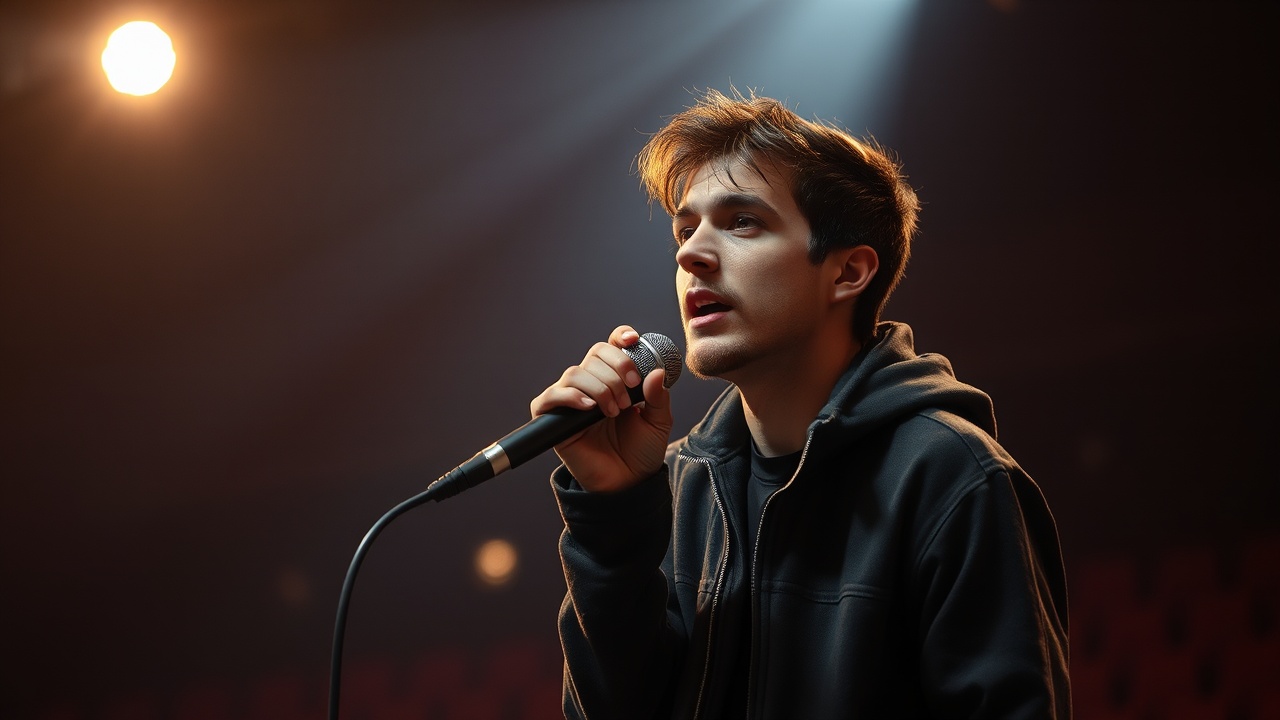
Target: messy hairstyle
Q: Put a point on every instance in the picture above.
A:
(851, 191)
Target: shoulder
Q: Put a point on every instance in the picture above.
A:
(946, 436)
(933, 462)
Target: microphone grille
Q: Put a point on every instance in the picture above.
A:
(655, 348)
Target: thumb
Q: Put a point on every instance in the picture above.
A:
(656, 397)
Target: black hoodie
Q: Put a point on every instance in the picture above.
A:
(909, 569)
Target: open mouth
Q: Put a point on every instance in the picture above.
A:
(704, 306)
(710, 308)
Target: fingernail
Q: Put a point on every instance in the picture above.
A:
(588, 402)
(632, 379)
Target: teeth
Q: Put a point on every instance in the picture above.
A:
(706, 305)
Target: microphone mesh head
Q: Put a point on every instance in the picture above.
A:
(655, 350)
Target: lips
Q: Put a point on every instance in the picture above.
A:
(703, 306)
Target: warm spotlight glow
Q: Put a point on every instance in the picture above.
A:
(496, 562)
(139, 58)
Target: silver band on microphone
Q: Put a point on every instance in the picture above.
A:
(497, 458)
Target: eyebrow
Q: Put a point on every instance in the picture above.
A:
(727, 201)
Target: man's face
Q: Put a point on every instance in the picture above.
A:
(750, 299)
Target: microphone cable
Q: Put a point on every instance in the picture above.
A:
(435, 491)
(651, 351)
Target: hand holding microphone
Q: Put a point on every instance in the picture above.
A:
(630, 443)
(593, 418)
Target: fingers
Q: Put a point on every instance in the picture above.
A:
(559, 395)
(623, 336)
(601, 379)
(656, 395)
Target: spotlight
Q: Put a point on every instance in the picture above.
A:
(139, 58)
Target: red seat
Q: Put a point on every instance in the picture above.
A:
(1108, 582)
(1092, 692)
(1197, 709)
(1216, 622)
(1135, 633)
(1249, 669)
(1186, 573)
(1162, 679)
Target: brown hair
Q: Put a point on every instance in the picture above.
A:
(851, 191)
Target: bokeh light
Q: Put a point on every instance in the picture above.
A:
(496, 562)
(139, 58)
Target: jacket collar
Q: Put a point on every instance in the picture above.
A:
(885, 382)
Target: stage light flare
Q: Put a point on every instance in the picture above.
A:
(496, 562)
(139, 58)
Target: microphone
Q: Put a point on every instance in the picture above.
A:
(555, 426)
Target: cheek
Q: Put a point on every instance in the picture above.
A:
(784, 285)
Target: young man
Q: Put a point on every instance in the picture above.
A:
(841, 536)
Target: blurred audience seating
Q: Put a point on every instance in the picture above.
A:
(1191, 633)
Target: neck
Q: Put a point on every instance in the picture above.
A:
(780, 403)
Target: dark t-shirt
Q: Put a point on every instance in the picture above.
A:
(767, 475)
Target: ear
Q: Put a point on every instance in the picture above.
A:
(855, 267)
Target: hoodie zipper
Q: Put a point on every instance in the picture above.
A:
(720, 574)
(755, 557)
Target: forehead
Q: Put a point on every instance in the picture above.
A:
(730, 181)
(733, 174)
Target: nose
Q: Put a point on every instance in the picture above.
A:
(697, 255)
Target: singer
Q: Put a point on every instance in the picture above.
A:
(841, 536)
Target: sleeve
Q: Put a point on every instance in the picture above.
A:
(620, 642)
(993, 612)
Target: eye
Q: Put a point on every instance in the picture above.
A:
(683, 234)
(743, 222)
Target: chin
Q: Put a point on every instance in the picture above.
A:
(708, 359)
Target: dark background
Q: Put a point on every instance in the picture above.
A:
(346, 245)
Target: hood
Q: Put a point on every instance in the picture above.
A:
(889, 381)
(886, 382)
